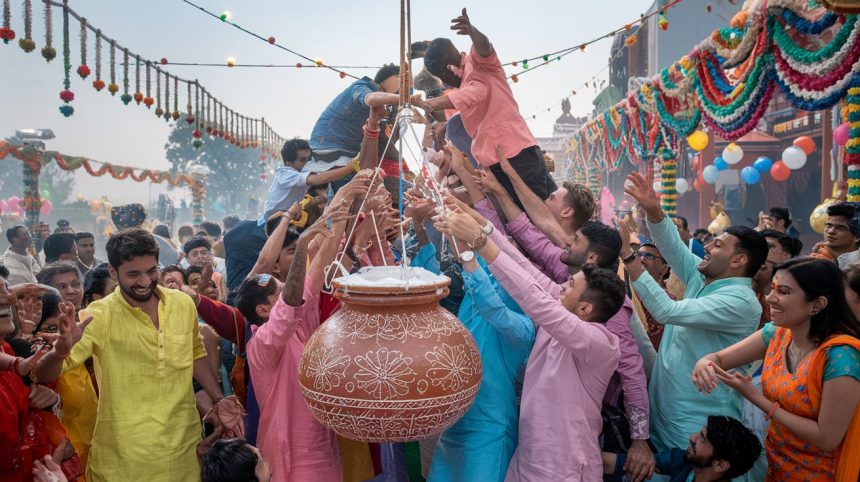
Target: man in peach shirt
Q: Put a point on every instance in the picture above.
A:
(487, 107)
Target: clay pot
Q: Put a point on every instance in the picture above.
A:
(391, 365)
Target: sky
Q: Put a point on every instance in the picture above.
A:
(340, 32)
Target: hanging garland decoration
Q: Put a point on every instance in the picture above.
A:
(113, 87)
(27, 44)
(669, 195)
(31, 201)
(6, 33)
(809, 27)
(138, 95)
(48, 51)
(66, 95)
(125, 97)
(852, 147)
(197, 134)
(83, 69)
(189, 114)
(166, 96)
(98, 83)
(176, 114)
(158, 110)
(148, 100)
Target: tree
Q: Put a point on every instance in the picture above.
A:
(54, 183)
(234, 172)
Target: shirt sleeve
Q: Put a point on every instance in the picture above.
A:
(670, 462)
(469, 95)
(90, 341)
(539, 247)
(678, 256)
(646, 349)
(486, 209)
(525, 264)
(632, 374)
(518, 328)
(227, 321)
(767, 332)
(198, 347)
(267, 344)
(722, 312)
(359, 92)
(489, 64)
(580, 337)
(842, 361)
(426, 258)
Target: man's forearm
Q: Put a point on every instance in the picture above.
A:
(509, 209)
(326, 177)
(377, 99)
(481, 42)
(538, 212)
(439, 103)
(294, 286)
(269, 254)
(206, 378)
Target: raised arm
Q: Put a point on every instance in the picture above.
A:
(518, 328)
(269, 254)
(463, 26)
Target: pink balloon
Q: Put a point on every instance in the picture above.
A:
(842, 134)
(14, 203)
(46, 208)
(4, 206)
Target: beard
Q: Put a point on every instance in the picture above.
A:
(131, 293)
(450, 79)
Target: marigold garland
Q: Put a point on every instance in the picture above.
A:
(48, 51)
(84, 69)
(26, 43)
(66, 95)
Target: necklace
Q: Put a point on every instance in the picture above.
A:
(794, 358)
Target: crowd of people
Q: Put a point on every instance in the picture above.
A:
(626, 351)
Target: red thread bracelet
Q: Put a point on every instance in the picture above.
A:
(772, 410)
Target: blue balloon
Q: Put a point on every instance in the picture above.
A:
(710, 174)
(763, 164)
(750, 175)
(721, 164)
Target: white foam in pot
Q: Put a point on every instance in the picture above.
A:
(391, 276)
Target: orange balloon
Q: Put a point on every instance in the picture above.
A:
(697, 185)
(806, 144)
(780, 171)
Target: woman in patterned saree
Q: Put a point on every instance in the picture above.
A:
(810, 377)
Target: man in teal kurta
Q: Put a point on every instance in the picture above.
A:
(480, 445)
(719, 309)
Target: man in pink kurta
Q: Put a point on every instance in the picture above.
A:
(566, 377)
(297, 447)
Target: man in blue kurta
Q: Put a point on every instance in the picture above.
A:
(480, 445)
(719, 309)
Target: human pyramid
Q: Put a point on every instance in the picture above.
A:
(471, 321)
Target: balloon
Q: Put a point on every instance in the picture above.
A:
(806, 144)
(697, 140)
(721, 164)
(46, 208)
(819, 215)
(780, 171)
(794, 157)
(750, 175)
(681, 185)
(13, 203)
(696, 163)
(842, 134)
(733, 154)
(762, 164)
(710, 174)
(698, 185)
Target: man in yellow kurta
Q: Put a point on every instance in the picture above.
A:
(145, 342)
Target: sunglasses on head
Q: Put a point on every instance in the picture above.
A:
(264, 279)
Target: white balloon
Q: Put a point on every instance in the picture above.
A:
(681, 185)
(794, 157)
(710, 174)
(658, 187)
(733, 154)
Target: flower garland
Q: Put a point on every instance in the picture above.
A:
(125, 97)
(852, 147)
(113, 88)
(668, 192)
(158, 110)
(166, 96)
(148, 100)
(27, 44)
(176, 115)
(138, 95)
(6, 33)
(83, 69)
(808, 27)
(66, 95)
(189, 114)
(98, 83)
(48, 51)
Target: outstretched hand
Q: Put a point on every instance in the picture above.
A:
(462, 25)
(71, 332)
(638, 188)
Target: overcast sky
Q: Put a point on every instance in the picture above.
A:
(340, 32)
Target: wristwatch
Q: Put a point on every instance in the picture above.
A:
(488, 228)
(466, 256)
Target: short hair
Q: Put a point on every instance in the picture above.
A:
(129, 244)
(190, 271)
(604, 290)
(161, 230)
(792, 246)
(58, 244)
(700, 231)
(196, 242)
(734, 443)
(212, 229)
(772, 233)
(781, 213)
(654, 246)
(250, 294)
(751, 243)
(385, 72)
(172, 268)
(604, 241)
(13, 232)
(229, 460)
(230, 221)
(436, 59)
(185, 230)
(290, 151)
(46, 275)
(95, 282)
(83, 235)
(50, 308)
(848, 211)
(292, 234)
(581, 199)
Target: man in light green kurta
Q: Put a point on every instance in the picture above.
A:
(719, 309)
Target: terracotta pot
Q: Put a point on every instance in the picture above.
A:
(391, 365)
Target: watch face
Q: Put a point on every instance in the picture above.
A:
(467, 256)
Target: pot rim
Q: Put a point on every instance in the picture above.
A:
(339, 285)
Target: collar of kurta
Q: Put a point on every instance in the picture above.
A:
(158, 293)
